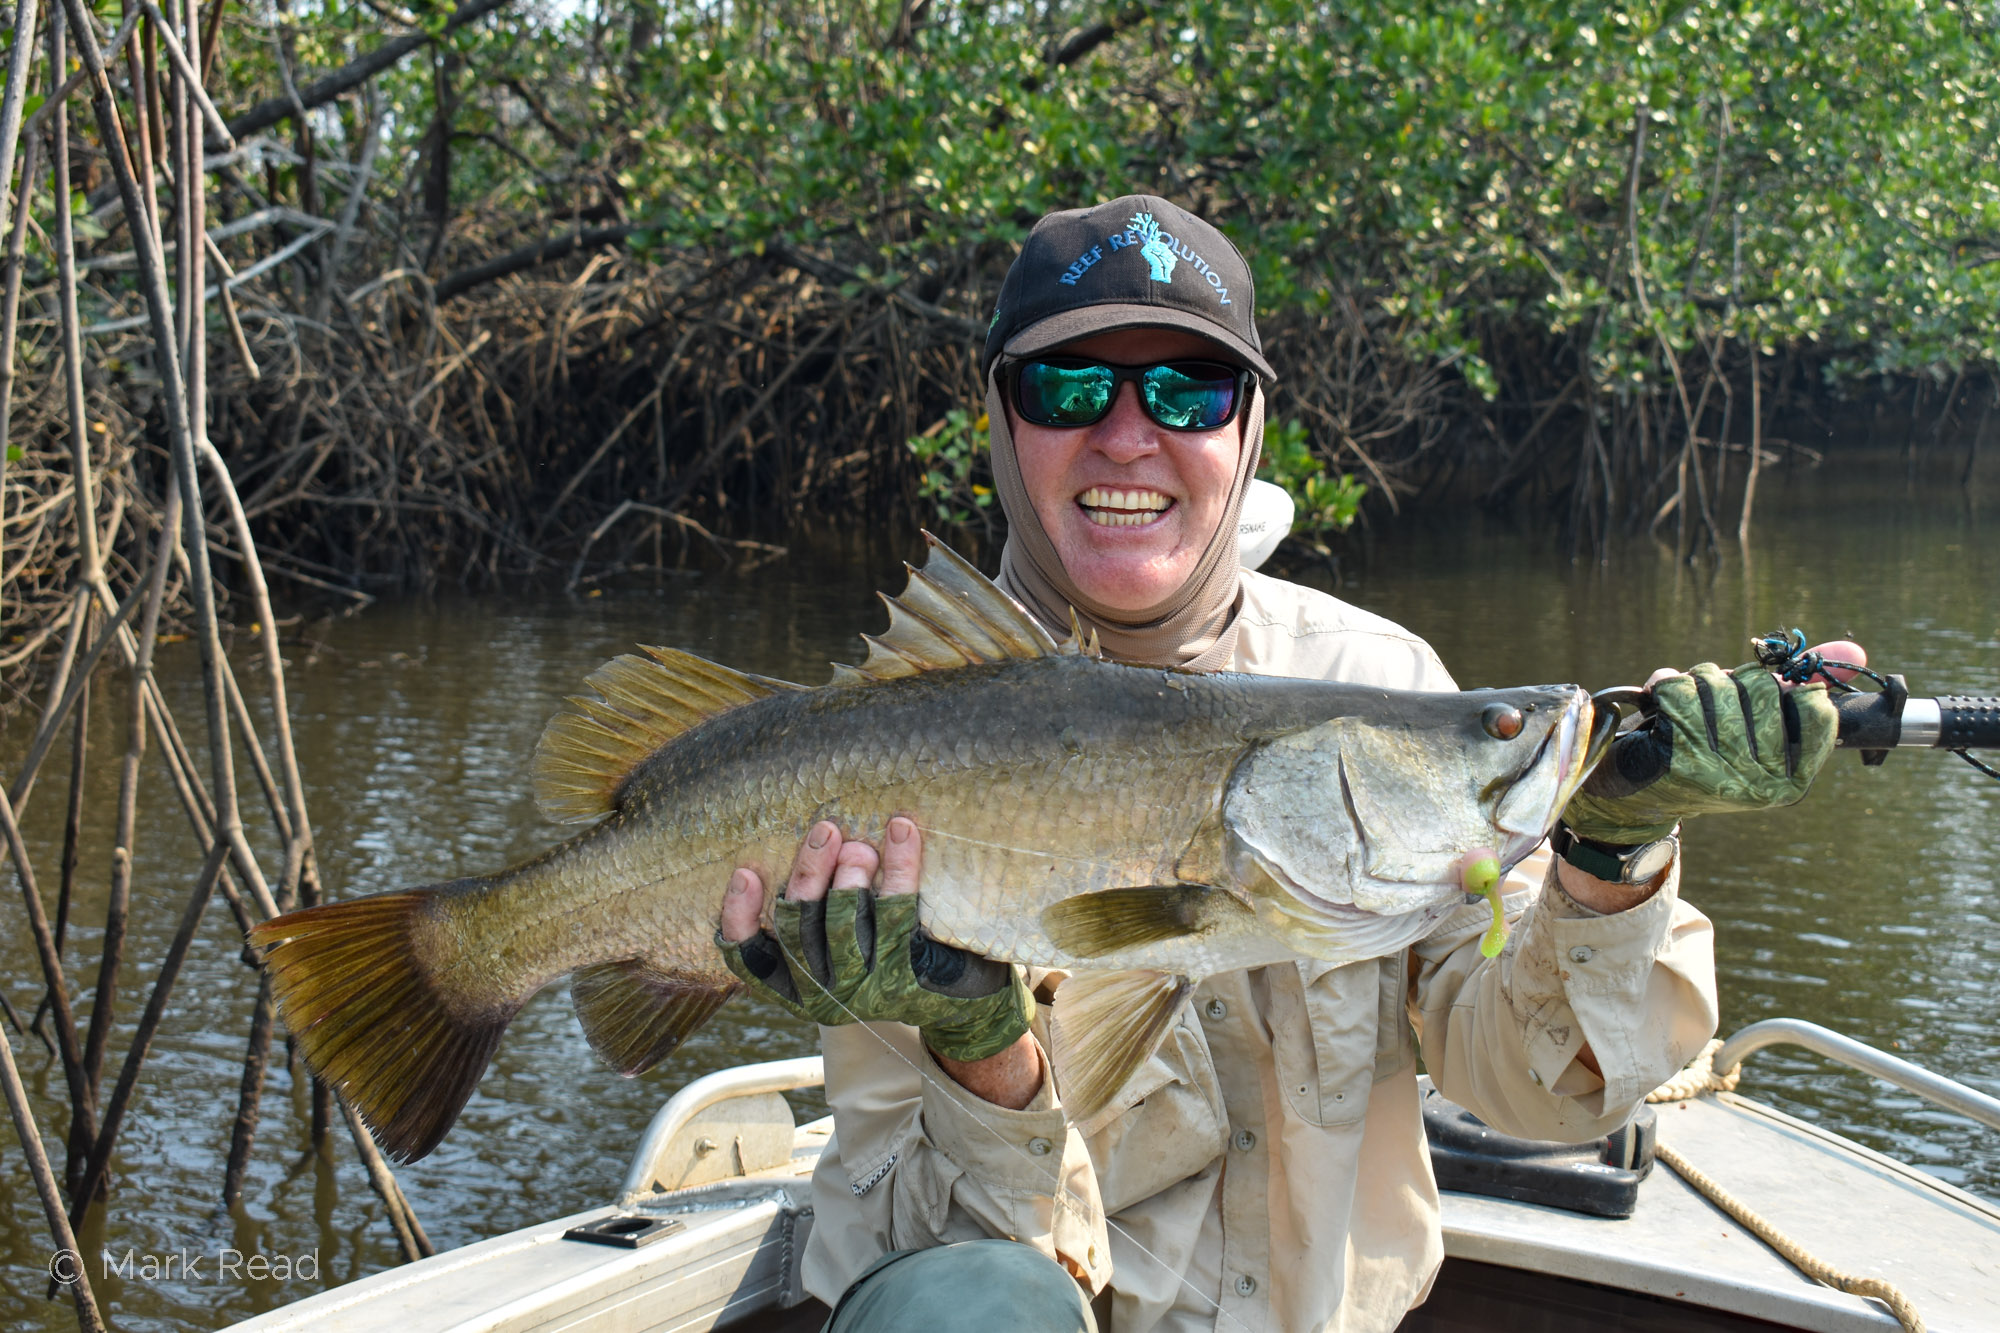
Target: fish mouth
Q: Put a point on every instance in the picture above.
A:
(1603, 730)
(1572, 746)
(1116, 507)
(1583, 737)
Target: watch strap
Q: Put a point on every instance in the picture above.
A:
(1611, 862)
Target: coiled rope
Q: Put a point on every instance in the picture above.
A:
(1700, 1077)
(1697, 1078)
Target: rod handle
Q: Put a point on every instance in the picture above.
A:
(1948, 722)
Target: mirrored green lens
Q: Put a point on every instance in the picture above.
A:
(1196, 396)
(1052, 394)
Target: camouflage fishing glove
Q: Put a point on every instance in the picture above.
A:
(1719, 742)
(857, 956)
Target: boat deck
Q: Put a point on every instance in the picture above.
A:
(1855, 1209)
(1677, 1264)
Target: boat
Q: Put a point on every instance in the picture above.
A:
(708, 1228)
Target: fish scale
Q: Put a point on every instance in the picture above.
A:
(1138, 828)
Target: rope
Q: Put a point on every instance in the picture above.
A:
(1697, 1078)
(1700, 1077)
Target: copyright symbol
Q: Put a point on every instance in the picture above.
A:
(65, 1266)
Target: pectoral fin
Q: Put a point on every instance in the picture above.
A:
(635, 1014)
(1104, 1026)
(1092, 925)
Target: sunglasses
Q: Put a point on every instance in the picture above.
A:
(1179, 395)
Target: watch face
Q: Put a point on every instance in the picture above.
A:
(1649, 861)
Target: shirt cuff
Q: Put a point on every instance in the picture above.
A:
(1604, 962)
(1015, 1149)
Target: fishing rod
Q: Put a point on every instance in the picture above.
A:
(1871, 721)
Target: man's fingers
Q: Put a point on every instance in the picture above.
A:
(1838, 650)
(812, 868)
(742, 904)
(855, 867)
(902, 857)
(1664, 673)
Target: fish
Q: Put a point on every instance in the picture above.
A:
(1138, 828)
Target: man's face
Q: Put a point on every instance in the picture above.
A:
(1129, 504)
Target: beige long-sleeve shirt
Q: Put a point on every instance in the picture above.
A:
(1267, 1169)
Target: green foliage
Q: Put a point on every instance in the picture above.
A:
(953, 454)
(1613, 183)
(1325, 504)
(1809, 172)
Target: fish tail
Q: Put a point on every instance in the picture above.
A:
(403, 1048)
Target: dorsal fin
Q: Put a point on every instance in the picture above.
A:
(950, 615)
(641, 703)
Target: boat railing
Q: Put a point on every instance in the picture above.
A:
(1936, 1088)
(774, 1076)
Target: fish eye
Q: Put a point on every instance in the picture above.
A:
(1503, 722)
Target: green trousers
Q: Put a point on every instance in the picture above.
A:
(976, 1286)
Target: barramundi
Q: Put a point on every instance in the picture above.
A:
(1137, 828)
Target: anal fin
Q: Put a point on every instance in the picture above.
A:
(1092, 925)
(634, 1014)
(1104, 1026)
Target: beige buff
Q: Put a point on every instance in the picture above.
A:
(1194, 628)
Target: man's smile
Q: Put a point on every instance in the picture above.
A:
(1112, 508)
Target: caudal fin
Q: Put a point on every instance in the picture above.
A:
(370, 1021)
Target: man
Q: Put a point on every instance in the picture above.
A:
(1267, 1169)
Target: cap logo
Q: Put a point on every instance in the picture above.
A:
(1161, 250)
(1159, 256)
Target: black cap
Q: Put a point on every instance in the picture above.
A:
(1134, 263)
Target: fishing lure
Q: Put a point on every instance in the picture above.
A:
(1482, 880)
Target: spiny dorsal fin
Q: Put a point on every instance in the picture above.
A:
(1076, 645)
(641, 703)
(950, 615)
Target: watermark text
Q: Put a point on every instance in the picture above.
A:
(225, 1264)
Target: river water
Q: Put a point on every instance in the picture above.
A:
(1870, 908)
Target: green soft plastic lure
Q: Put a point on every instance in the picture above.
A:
(1482, 877)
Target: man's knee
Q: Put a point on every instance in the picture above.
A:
(977, 1286)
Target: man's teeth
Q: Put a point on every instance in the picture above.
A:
(1121, 509)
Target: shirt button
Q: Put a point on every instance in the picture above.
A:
(1581, 953)
(1217, 1009)
(1040, 1147)
(1246, 1285)
(1245, 1140)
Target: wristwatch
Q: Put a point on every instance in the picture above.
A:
(1612, 863)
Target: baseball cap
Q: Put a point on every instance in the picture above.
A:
(1133, 263)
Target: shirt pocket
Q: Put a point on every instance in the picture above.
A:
(1173, 1126)
(1335, 1030)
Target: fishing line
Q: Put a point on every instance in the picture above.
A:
(1068, 1201)
(1989, 772)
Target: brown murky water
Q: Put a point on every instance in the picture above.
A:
(1871, 908)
